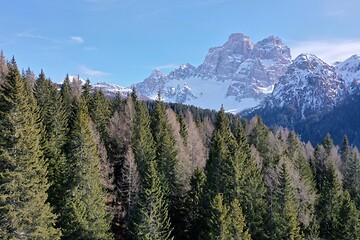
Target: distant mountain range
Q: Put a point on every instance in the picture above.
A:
(260, 79)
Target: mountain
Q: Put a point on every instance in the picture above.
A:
(238, 74)
(308, 86)
(314, 99)
(110, 90)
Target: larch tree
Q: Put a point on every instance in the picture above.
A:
(24, 212)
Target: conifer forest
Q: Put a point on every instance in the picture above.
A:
(75, 164)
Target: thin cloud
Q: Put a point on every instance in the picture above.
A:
(30, 34)
(77, 39)
(328, 51)
(92, 72)
(167, 67)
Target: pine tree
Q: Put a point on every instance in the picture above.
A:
(153, 222)
(143, 142)
(23, 183)
(84, 215)
(66, 95)
(345, 150)
(221, 172)
(3, 68)
(329, 204)
(351, 181)
(252, 190)
(285, 221)
(349, 219)
(183, 128)
(165, 149)
(237, 222)
(194, 203)
(219, 226)
(100, 112)
(54, 119)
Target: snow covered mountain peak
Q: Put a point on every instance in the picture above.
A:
(350, 70)
(309, 85)
(238, 74)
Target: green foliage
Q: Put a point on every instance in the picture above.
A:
(226, 222)
(329, 204)
(153, 222)
(54, 119)
(100, 111)
(349, 222)
(84, 215)
(285, 224)
(23, 183)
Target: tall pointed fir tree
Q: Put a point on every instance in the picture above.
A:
(152, 221)
(100, 112)
(54, 119)
(66, 96)
(226, 222)
(328, 207)
(165, 148)
(285, 224)
(351, 181)
(23, 182)
(221, 172)
(252, 191)
(84, 215)
(349, 219)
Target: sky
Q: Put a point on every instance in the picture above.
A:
(122, 41)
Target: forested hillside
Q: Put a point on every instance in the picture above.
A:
(76, 165)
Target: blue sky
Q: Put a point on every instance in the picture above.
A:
(121, 41)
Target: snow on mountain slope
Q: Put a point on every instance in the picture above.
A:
(238, 74)
(309, 85)
(349, 69)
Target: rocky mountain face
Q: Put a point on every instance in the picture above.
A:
(238, 74)
(309, 85)
(315, 98)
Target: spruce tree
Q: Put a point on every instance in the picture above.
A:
(349, 219)
(23, 173)
(285, 221)
(54, 119)
(165, 149)
(252, 191)
(351, 181)
(329, 204)
(100, 112)
(84, 215)
(66, 96)
(153, 222)
(238, 229)
(218, 222)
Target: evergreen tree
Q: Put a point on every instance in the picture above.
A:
(226, 222)
(54, 119)
(284, 219)
(345, 150)
(194, 203)
(351, 181)
(329, 204)
(183, 128)
(252, 190)
(349, 219)
(84, 215)
(100, 111)
(86, 92)
(221, 172)
(153, 222)
(66, 95)
(219, 226)
(23, 183)
(3, 68)
(165, 149)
